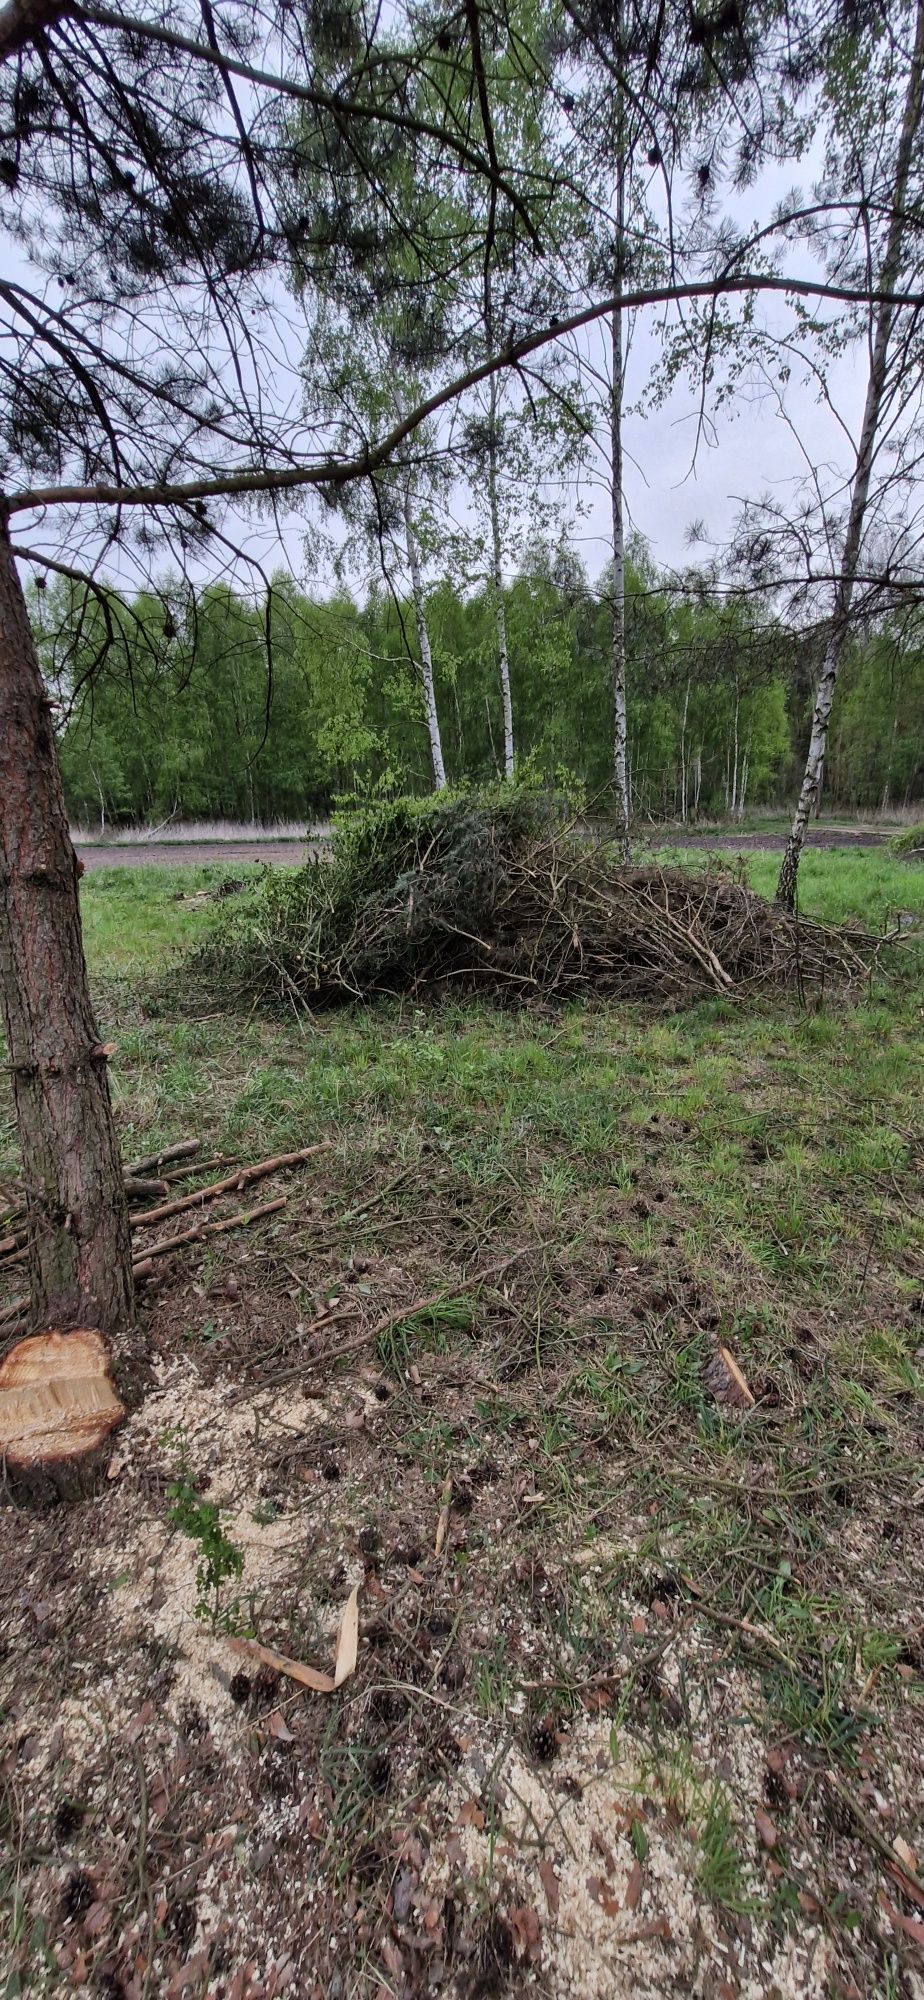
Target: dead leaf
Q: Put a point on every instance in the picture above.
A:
(392, 1957)
(470, 1814)
(634, 1886)
(906, 1854)
(277, 1726)
(911, 1927)
(907, 1888)
(766, 1831)
(549, 1880)
(348, 1642)
(525, 1930)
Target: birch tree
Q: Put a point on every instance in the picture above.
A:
(876, 161)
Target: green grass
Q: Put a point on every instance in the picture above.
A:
(749, 1174)
(135, 919)
(744, 1174)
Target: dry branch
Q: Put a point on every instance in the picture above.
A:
(182, 1150)
(137, 1189)
(504, 899)
(246, 1216)
(235, 1182)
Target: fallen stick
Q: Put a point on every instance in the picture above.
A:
(241, 1179)
(877, 1840)
(441, 1298)
(241, 1221)
(183, 1150)
(142, 1190)
(199, 1167)
(367, 1333)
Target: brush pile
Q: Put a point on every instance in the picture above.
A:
(500, 894)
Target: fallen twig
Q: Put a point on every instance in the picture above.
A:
(243, 1177)
(183, 1150)
(440, 1298)
(137, 1188)
(241, 1221)
(870, 1832)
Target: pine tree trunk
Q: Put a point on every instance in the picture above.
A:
(423, 641)
(839, 629)
(497, 578)
(683, 755)
(79, 1247)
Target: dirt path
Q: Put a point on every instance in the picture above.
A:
(771, 843)
(190, 854)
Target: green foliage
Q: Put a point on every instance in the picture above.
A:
(219, 1557)
(719, 1872)
(910, 844)
(203, 711)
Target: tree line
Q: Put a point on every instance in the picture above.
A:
(209, 709)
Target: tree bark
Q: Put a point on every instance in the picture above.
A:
(497, 578)
(76, 1210)
(839, 628)
(423, 641)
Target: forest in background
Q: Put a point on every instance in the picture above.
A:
(211, 706)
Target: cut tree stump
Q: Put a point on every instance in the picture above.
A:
(58, 1407)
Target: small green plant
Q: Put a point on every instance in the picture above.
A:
(719, 1871)
(219, 1557)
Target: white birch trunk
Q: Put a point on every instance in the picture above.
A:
(423, 641)
(620, 721)
(866, 450)
(743, 787)
(733, 800)
(497, 581)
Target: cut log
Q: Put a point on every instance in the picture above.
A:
(58, 1407)
(138, 1189)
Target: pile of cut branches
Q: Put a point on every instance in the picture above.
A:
(500, 894)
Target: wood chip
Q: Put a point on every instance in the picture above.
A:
(298, 1670)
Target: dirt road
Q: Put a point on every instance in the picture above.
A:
(188, 854)
(230, 853)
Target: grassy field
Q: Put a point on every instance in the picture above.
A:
(637, 1708)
